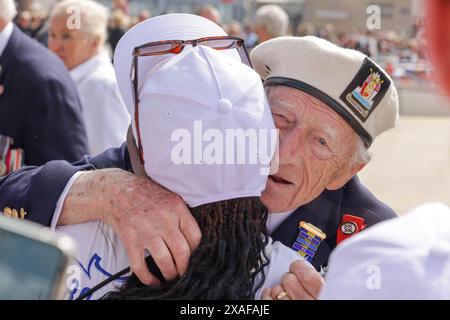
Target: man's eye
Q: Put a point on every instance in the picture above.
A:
(323, 142)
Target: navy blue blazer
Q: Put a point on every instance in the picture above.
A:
(39, 107)
(37, 189)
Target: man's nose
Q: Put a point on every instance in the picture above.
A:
(291, 144)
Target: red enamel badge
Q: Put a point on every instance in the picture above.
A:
(349, 226)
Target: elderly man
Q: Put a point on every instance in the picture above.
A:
(271, 21)
(329, 104)
(82, 51)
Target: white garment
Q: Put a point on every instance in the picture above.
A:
(100, 254)
(403, 258)
(5, 35)
(281, 257)
(276, 219)
(104, 112)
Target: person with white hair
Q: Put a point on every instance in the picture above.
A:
(271, 21)
(211, 13)
(40, 113)
(78, 30)
(7, 10)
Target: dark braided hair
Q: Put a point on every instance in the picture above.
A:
(229, 262)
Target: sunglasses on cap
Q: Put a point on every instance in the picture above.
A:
(175, 47)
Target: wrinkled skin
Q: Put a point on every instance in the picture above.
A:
(144, 215)
(316, 146)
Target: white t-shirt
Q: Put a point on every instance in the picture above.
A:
(100, 254)
(104, 112)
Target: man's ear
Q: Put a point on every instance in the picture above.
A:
(343, 176)
(95, 44)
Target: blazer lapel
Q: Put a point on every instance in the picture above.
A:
(324, 213)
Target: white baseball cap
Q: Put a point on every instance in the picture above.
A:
(346, 80)
(177, 26)
(192, 105)
(403, 258)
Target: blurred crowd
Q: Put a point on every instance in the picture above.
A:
(402, 55)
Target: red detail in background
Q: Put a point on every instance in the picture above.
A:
(438, 36)
(357, 222)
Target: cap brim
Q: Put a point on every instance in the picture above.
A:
(177, 26)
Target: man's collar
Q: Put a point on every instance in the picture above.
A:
(88, 66)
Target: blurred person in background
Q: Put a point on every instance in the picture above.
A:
(40, 113)
(211, 13)
(39, 23)
(134, 20)
(327, 32)
(117, 25)
(271, 21)
(144, 15)
(23, 21)
(82, 51)
(367, 44)
(306, 29)
(234, 29)
(122, 5)
(250, 37)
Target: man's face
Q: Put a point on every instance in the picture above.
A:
(316, 146)
(73, 46)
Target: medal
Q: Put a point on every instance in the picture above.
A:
(308, 240)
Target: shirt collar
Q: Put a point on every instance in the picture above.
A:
(5, 35)
(275, 219)
(88, 66)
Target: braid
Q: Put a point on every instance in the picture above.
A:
(227, 263)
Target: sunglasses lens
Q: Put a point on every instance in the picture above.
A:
(220, 44)
(162, 48)
(227, 44)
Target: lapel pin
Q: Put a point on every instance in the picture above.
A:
(349, 226)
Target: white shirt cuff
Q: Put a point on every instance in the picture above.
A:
(62, 198)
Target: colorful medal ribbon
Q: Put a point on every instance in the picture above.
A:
(308, 240)
(10, 159)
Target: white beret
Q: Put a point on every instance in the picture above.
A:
(346, 80)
